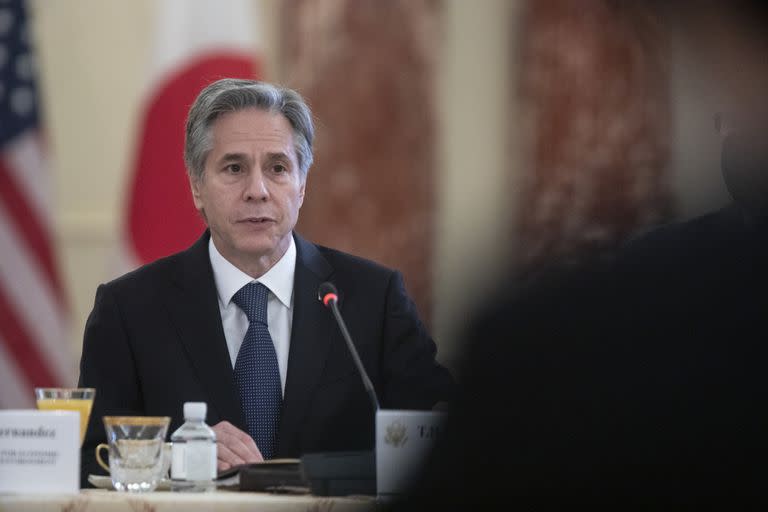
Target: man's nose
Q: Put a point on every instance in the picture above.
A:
(256, 187)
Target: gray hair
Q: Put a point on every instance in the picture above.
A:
(231, 95)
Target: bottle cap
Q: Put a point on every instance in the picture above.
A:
(195, 411)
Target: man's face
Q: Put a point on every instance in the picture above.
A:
(251, 189)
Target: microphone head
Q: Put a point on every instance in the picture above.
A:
(327, 292)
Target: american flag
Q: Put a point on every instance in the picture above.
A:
(34, 334)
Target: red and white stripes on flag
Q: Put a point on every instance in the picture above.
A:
(34, 335)
(194, 44)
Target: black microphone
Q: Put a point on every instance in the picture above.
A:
(329, 297)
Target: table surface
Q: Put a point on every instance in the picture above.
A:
(102, 500)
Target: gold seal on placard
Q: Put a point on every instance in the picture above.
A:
(397, 434)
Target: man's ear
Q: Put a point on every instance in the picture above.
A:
(302, 191)
(195, 184)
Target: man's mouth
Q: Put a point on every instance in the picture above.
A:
(257, 220)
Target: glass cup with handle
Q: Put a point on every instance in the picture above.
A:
(79, 400)
(137, 450)
(165, 470)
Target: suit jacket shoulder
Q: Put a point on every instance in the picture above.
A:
(685, 237)
(161, 272)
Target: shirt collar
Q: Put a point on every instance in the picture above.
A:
(229, 279)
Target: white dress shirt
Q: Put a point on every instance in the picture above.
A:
(279, 280)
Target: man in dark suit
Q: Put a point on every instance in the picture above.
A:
(235, 320)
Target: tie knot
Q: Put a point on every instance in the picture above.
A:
(252, 299)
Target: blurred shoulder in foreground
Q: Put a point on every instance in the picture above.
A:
(641, 381)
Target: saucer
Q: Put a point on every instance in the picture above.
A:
(105, 482)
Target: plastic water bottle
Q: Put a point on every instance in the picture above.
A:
(193, 461)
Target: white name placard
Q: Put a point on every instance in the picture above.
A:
(39, 451)
(404, 440)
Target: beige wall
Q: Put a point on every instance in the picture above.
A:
(92, 60)
(696, 177)
(476, 198)
(94, 56)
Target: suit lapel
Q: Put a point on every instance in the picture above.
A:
(310, 341)
(193, 306)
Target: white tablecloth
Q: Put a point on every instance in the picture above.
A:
(93, 500)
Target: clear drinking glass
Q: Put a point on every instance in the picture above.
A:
(67, 399)
(135, 445)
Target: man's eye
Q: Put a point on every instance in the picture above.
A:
(280, 169)
(234, 168)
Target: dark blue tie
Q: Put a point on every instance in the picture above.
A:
(256, 372)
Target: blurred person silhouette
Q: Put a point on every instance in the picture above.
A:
(640, 382)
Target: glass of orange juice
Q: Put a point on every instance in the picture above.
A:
(67, 399)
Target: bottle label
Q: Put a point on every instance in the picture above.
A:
(194, 460)
(178, 468)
